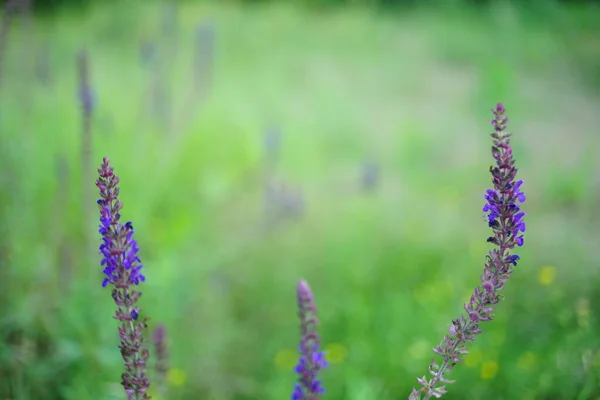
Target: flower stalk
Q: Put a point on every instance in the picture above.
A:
(122, 267)
(505, 217)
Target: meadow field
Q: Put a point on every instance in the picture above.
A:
(262, 144)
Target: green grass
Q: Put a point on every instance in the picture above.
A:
(389, 270)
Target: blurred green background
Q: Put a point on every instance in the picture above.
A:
(260, 144)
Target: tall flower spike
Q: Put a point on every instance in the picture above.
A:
(122, 268)
(505, 217)
(312, 360)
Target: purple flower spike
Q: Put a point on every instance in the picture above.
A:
(312, 360)
(122, 268)
(505, 217)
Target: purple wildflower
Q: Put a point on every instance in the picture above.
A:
(312, 360)
(122, 268)
(505, 217)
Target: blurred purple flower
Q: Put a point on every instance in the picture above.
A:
(204, 53)
(162, 356)
(10, 9)
(147, 52)
(85, 93)
(506, 220)
(43, 65)
(312, 360)
(272, 143)
(369, 175)
(170, 20)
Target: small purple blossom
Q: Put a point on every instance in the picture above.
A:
(312, 360)
(505, 217)
(122, 268)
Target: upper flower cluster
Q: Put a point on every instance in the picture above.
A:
(122, 265)
(504, 213)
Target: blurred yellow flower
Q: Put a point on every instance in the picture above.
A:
(176, 377)
(335, 353)
(473, 358)
(286, 359)
(489, 369)
(547, 275)
(527, 361)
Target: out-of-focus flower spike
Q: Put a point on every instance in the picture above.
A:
(312, 360)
